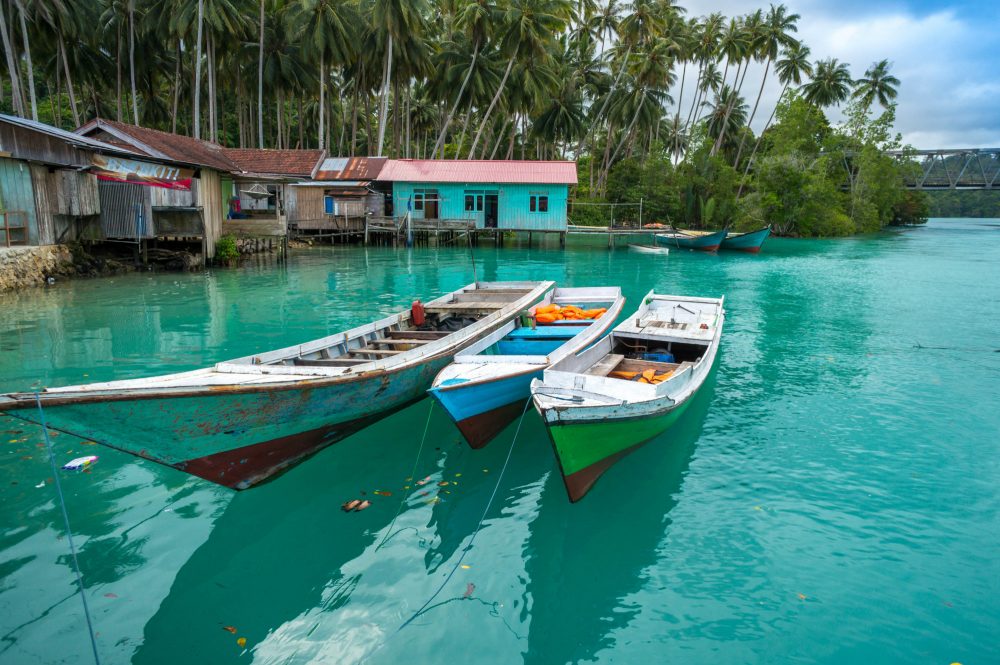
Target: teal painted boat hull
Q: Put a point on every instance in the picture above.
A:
(747, 242)
(706, 243)
(240, 438)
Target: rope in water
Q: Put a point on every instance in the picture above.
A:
(413, 474)
(69, 532)
(479, 526)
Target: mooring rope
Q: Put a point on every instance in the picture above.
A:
(413, 474)
(479, 526)
(69, 532)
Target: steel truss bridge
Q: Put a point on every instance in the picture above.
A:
(952, 168)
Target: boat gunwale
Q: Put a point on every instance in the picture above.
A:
(20, 400)
(590, 333)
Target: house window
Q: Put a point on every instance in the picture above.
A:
(418, 200)
(474, 201)
(538, 203)
(328, 205)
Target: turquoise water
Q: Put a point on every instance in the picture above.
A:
(832, 496)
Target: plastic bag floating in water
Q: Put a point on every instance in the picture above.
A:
(80, 463)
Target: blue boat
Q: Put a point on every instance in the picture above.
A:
(705, 241)
(487, 385)
(747, 242)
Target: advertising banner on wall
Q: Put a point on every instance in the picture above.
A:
(121, 169)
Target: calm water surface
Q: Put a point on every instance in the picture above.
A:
(833, 495)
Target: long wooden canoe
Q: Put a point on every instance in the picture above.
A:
(750, 241)
(705, 241)
(486, 386)
(603, 403)
(242, 421)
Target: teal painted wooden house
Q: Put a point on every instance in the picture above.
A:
(509, 195)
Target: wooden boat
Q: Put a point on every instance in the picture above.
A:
(750, 241)
(649, 249)
(602, 403)
(705, 241)
(244, 420)
(486, 386)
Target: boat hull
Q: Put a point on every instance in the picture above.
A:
(585, 449)
(747, 242)
(241, 438)
(482, 410)
(708, 242)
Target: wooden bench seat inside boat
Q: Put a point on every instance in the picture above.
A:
(606, 364)
(374, 352)
(428, 335)
(331, 362)
(449, 308)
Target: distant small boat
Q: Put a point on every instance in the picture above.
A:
(750, 241)
(603, 403)
(242, 421)
(485, 388)
(705, 241)
(649, 249)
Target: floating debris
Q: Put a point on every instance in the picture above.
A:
(469, 588)
(350, 505)
(231, 629)
(383, 493)
(466, 566)
(79, 463)
(110, 595)
(242, 641)
(361, 506)
(443, 483)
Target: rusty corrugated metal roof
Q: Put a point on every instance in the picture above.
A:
(350, 168)
(479, 171)
(294, 162)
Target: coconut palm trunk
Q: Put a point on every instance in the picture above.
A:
(384, 101)
(439, 145)
(322, 99)
(27, 57)
(260, 81)
(15, 79)
(493, 103)
(760, 92)
(197, 71)
(131, 60)
(69, 82)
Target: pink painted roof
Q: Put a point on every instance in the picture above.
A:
(479, 171)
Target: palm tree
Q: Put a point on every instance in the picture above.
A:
(476, 19)
(27, 55)
(15, 78)
(777, 28)
(831, 83)
(793, 64)
(325, 26)
(529, 25)
(197, 71)
(393, 20)
(877, 83)
(260, 80)
(131, 59)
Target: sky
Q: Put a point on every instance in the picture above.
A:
(945, 55)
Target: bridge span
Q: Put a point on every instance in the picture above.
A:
(952, 168)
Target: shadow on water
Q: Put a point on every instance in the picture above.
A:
(584, 559)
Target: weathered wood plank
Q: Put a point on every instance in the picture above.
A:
(417, 334)
(606, 365)
(374, 352)
(465, 307)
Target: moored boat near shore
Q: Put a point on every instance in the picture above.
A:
(750, 241)
(486, 386)
(242, 421)
(649, 249)
(602, 403)
(705, 241)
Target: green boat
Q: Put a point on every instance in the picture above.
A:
(604, 402)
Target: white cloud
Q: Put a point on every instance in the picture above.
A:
(949, 81)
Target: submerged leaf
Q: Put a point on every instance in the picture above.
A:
(242, 641)
(469, 588)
